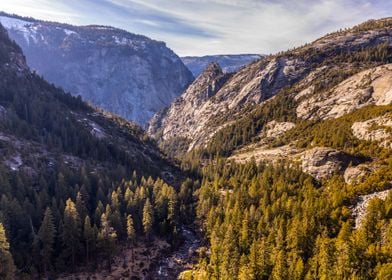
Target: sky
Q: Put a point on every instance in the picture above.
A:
(203, 27)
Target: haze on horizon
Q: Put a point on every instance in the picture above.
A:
(202, 27)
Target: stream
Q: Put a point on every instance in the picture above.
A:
(181, 259)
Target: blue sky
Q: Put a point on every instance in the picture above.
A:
(200, 27)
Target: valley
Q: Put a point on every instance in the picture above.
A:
(266, 167)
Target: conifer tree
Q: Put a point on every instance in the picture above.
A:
(46, 236)
(148, 219)
(131, 234)
(7, 268)
(71, 231)
(89, 237)
(81, 206)
(107, 239)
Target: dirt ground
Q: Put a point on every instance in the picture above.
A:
(124, 266)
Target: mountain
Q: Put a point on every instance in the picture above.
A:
(328, 78)
(229, 63)
(76, 181)
(127, 74)
(296, 153)
(37, 114)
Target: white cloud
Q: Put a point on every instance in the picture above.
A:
(195, 27)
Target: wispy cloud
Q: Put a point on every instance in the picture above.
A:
(193, 27)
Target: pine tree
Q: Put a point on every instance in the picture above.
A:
(71, 231)
(230, 257)
(280, 271)
(131, 234)
(326, 259)
(7, 268)
(148, 219)
(343, 248)
(46, 236)
(80, 206)
(107, 239)
(89, 237)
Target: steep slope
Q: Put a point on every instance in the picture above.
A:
(229, 63)
(127, 74)
(41, 115)
(64, 164)
(168, 123)
(296, 79)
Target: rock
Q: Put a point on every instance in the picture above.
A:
(264, 153)
(299, 70)
(276, 129)
(356, 174)
(322, 163)
(370, 87)
(127, 74)
(195, 117)
(359, 211)
(377, 129)
(170, 123)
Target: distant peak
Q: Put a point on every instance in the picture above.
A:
(213, 67)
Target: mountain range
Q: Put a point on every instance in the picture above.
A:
(260, 111)
(229, 63)
(288, 158)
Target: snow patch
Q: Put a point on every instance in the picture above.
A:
(120, 41)
(14, 162)
(13, 23)
(21, 26)
(69, 32)
(97, 131)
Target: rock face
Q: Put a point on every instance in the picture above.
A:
(50, 115)
(229, 63)
(377, 129)
(254, 84)
(261, 80)
(170, 123)
(130, 75)
(359, 211)
(321, 162)
(276, 129)
(373, 86)
(355, 174)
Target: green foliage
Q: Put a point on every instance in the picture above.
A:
(337, 133)
(46, 238)
(274, 222)
(280, 108)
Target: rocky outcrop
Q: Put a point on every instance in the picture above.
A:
(359, 211)
(356, 174)
(377, 129)
(322, 162)
(274, 129)
(253, 84)
(265, 153)
(184, 117)
(369, 87)
(127, 74)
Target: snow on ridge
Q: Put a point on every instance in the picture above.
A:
(19, 25)
(69, 32)
(14, 23)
